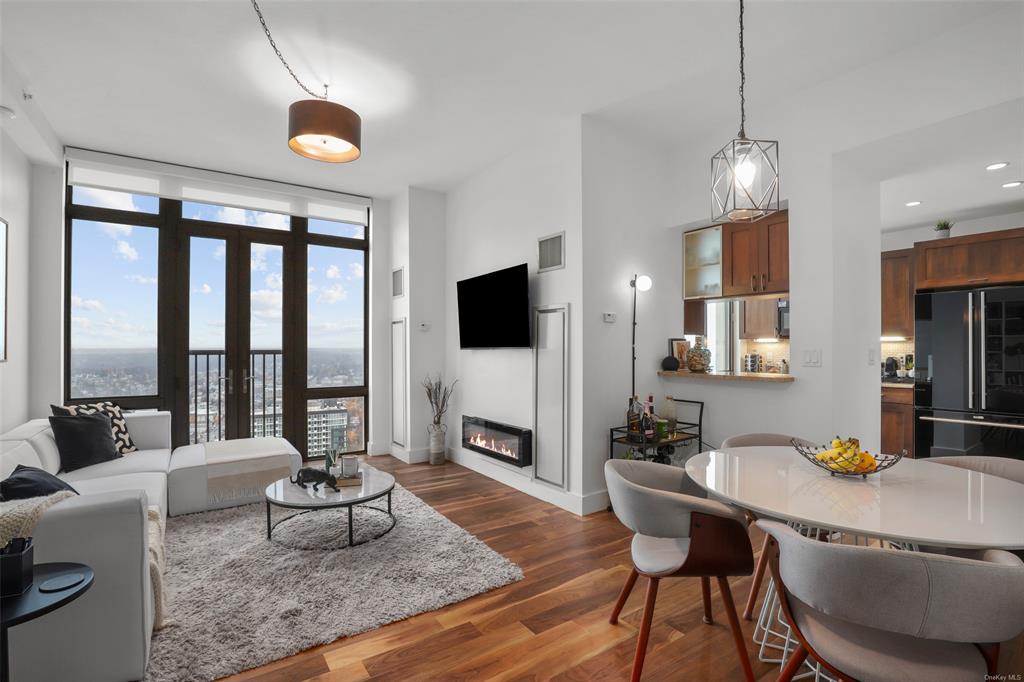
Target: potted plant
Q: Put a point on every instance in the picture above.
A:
(942, 228)
(438, 395)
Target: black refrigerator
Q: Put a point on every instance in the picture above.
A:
(969, 373)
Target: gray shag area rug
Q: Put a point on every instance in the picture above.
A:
(236, 601)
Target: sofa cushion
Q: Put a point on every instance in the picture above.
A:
(140, 461)
(25, 482)
(83, 441)
(38, 434)
(15, 452)
(152, 483)
(118, 427)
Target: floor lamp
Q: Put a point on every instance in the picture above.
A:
(638, 283)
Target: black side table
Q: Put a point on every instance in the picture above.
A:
(53, 586)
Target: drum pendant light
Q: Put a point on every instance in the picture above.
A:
(318, 128)
(745, 172)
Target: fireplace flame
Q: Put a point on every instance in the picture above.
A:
(500, 448)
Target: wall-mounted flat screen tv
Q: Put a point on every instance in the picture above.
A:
(494, 309)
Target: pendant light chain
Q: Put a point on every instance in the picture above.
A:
(280, 56)
(743, 80)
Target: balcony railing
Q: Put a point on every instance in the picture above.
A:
(208, 381)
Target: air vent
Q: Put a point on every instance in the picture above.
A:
(398, 282)
(551, 252)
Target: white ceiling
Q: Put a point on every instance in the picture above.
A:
(443, 87)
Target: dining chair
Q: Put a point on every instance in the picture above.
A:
(678, 533)
(873, 615)
(1000, 467)
(746, 440)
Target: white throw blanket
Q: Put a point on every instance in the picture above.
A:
(155, 531)
(18, 518)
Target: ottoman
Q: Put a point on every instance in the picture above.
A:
(227, 473)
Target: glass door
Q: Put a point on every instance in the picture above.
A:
(233, 350)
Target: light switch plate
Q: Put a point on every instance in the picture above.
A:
(871, 357)
(609, 318)
(812, 357)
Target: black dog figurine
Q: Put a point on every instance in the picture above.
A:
(316, 477)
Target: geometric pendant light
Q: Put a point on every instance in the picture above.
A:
(745, 172)
(317, 128)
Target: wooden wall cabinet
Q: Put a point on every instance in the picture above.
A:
(755, 256)
(898, 293)
(897, 421)
(759, 319)
(695, 318)
(971, 260)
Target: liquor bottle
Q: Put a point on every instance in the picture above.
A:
(633, 420)
(648, 422)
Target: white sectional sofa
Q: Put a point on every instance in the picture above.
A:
(104, 636)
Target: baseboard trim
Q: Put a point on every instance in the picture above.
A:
(521, 480)
(412, 455)
(596, 502)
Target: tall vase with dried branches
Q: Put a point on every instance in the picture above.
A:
(438, 395)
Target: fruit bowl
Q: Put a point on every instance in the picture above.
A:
(845, 458)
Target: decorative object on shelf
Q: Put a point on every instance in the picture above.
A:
(670, 363)
(745, 172)
(438, 395)
(317, 128)
(16, 566)
(942, 228)
(667, 410)
(678, 349)
(638, 283)
(698, 358)
(845, 458)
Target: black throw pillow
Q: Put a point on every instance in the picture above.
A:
(25, 482)
(118, 424)
(83, 440)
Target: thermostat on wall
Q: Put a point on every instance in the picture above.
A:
(609, 318)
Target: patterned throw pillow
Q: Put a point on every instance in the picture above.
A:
(118, 424)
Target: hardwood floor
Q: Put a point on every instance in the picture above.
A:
(551, 625)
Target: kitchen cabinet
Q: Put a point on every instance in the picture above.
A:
(702, 263)
(971, 260)
(898, 293)
(695, 318)
(759, 319)
(898, 420)
(755, 256)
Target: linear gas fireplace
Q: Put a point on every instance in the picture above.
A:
(507, 443)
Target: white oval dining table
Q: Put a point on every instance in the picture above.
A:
(916, 501)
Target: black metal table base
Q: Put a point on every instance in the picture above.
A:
(351, 526)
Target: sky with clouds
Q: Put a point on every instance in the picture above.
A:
(114, 278)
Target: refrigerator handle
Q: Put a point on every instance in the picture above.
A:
(970, 350)
(984, 360)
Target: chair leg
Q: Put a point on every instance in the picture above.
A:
(755, 585)
(645, 629)
(734, 625)
(705, 588)
(623, 596)
(793, 664)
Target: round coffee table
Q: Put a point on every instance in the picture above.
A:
(376, 484)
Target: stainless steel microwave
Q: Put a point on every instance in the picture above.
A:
(782, 322)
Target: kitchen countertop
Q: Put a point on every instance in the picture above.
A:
(729, 376)
(894, 384)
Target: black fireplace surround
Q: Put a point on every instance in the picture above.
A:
(506, 443)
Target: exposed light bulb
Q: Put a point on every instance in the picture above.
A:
(643, 283)
(745, 173)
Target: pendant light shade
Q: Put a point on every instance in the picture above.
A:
(745, 180)
(324, 131)
(745, 172)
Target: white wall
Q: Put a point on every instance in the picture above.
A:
(15, 171)
(494, 219)
(626, 230)
(905, 238)
(379, 280)
(46, 289)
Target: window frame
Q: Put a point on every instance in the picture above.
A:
(172, 227)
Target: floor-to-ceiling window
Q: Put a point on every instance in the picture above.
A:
(243, 322)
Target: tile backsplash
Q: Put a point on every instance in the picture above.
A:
(896, 349)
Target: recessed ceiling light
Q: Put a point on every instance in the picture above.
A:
(998, 165)
(1011, 185)
(913, 203)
